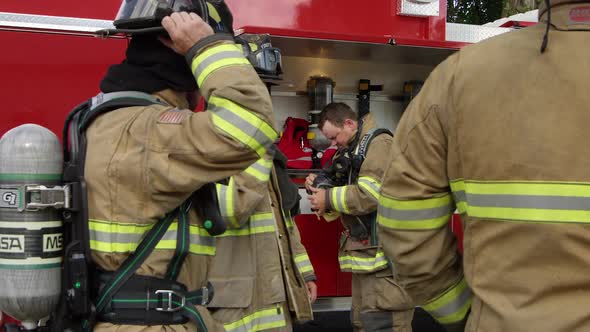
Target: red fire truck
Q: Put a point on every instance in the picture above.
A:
(52, 60)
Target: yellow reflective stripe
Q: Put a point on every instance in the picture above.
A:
(260, 170)
(303, 263)
(217, 57)
(231, 214)
(452, 305)
(545, 188)
(349, 263)
(418, 204)
(260, 320)
(524, 201)
(289, 222)
(242, 124)
(257, 224)
(338, 197)
(430, 213)
(106, 236)
(371, 185)
(213, 12)
(225, 198)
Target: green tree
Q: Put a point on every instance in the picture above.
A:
(484, 11)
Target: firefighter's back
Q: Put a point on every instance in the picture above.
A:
(517, 140)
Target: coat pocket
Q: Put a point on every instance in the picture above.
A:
(232, 293)
(391, 296)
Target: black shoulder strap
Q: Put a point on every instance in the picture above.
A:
(368, 137)
(74, 136)
(78, 270)
(358, 156)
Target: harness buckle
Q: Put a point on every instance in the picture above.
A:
(205, 296)
(171, 307)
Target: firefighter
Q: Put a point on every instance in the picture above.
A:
(142, 162)
(378, 303)
(262, 275)
(497, 133)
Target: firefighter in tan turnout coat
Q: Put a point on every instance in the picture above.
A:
(499, 133)
(378, 303)
(261, 272)
(144, 161)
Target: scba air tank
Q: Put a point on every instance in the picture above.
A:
(30, 229)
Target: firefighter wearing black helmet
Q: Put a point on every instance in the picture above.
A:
(143, 163)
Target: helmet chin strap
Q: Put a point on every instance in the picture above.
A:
(546, 36)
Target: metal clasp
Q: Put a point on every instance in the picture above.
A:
(205, 295)
(171, 307)
(41, 197)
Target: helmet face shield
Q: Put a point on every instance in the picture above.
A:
(138, 14)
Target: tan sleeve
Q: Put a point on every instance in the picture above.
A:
(361, 198)
(416, 203)
(234, 131)
(244, 192)
(300, 256)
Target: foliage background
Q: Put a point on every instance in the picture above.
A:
(484, 11)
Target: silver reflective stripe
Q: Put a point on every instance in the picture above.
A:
(222, 198)
(338, 194)
(421, 214)
(454, 306)
(529, 202)
(460, 196)
(261, 168)
(303, 263)
(216, 57)
(262, 222)
(258, 321)
(374, 187)
(348, 263)
(135, 238)
(244, 125)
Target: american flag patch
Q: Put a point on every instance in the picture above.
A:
(172, 116)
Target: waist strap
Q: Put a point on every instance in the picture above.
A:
(153, 301)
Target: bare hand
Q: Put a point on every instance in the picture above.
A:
(309, 181)
(312, 291)
(317, 200)
(185, 30)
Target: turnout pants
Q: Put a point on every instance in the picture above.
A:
(271, 318)
(379, 304)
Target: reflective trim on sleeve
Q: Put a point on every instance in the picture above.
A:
(289, 222)
(452, 305)
(217, 57)
(537, 202)
(260, 170)
(350, 263)
(338, 199)
(257, 223)
(225, 197)
(430, 213)
(260, 320)
(242, 125)
(108, 236)
(303, 263)
(370, 185)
